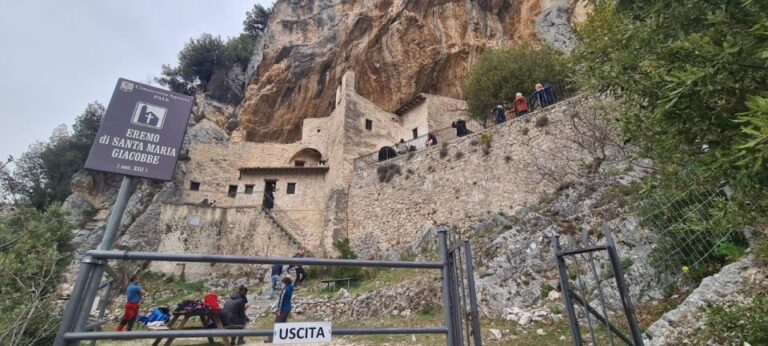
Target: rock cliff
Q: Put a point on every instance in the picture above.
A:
(397, 48)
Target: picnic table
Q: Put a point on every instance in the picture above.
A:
(328, 282)
(187, 315)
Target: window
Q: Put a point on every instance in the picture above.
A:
(299, 163)
(232, 192)
(415, 132)
(248, 189)
(194, 186)
(290, 189)
(193, 220)
(368, 124)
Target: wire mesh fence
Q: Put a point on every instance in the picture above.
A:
(690, 220)
(537, 101)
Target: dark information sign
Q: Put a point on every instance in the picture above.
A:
(141, 132)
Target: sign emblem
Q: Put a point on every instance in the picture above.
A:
(126, 86)
(149, 115)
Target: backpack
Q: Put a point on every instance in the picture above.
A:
(212, 301)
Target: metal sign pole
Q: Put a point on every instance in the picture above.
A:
(110, 234)
(81, 301)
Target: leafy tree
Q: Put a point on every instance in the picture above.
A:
(65, 156)
(685, 71)
(256, 21)
(34, 250)
(43, 173)
(29, 175)
(201, 57)
(240, 49)
(171, 78)
(499, 74)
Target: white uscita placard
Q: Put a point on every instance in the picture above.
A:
(302, 333)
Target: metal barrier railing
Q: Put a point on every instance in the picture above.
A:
(537, 101)
(74, 331)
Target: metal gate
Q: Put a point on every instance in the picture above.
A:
(458, 294)
(578, 295)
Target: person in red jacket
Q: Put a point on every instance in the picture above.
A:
(521, 104)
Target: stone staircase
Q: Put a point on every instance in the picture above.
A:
(284, 223)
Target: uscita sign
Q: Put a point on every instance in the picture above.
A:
(302, 333)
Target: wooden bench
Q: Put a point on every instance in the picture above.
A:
(328, 282)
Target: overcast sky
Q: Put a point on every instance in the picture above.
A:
(58, 56)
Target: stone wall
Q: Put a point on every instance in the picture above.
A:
(496, 170)
(227, 231)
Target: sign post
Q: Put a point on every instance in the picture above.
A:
(302, 333)
(140, 136)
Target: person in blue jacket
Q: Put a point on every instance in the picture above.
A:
(284, 303)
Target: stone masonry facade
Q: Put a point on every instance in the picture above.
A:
(499, 169)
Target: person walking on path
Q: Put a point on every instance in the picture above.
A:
(284, 303)
(301, 274)
(133, 293)
(277, 272)
(233, 312)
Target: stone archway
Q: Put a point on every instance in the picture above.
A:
(307, 157)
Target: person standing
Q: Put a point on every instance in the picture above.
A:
(234, 312)
(283, 304)
(521, 104)
(277, 272)
(301, 274)
(133, 293)
(499, 115)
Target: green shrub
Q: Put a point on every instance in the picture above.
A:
(356, 274)
(34, 251)
(524, 131)
(739, 323)
(499, 74)
(388, 171)
(541, 121)
(443, 150)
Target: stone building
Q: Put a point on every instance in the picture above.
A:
(291, 194)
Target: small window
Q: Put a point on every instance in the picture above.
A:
(232, 192)
(368, 124)
(299, 163)
(290, 189)
(194, 186)
(193, 220)
(415, 132)
(248, 189)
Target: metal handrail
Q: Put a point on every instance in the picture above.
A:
(553, 93)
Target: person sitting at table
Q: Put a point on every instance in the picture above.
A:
(233, 312)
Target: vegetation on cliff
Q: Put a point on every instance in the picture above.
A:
(34, 251)
(499, 74)
(691, 77)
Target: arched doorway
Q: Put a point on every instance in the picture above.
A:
(307, 157)
(386, 153)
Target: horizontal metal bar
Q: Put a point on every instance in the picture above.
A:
(96, 324)
(205, 333)
(177, 257)
(582, 250)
